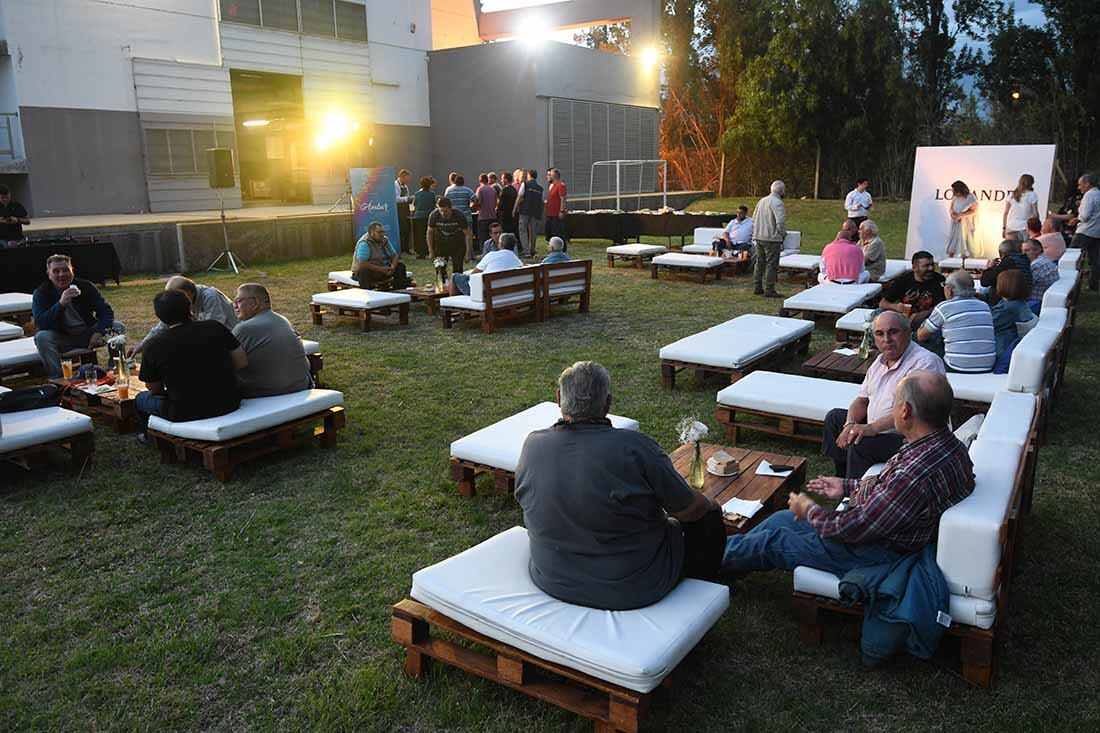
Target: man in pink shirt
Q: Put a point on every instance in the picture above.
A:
(1054, 244)
(863, 435)
(842, 261)
(487, 207)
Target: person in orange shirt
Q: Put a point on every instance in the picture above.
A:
(555, 207)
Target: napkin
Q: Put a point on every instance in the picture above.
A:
(765, 469)
(846, 352)
(741, 507)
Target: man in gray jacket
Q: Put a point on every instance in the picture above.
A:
(769, 229)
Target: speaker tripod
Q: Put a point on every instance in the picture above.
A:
(347, 194)
(234, 263)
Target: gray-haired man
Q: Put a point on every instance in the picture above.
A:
(595, 499)
(769, 229)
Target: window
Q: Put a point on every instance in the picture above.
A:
(174, 152)
(281, 14)
(330, 18)
(351, 21)
(156, 152)
(241, 11)
(318, 17)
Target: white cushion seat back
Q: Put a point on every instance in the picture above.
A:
(798, 261)
(1057, 295)
(1009, 418)
(682, 260)
(1053, 317)
(697, 249)
(854, 319)
(832, 298)
(525, 274)
(499, 445)
(489, 589)
(567, 279)
(359, 298)
(792, 243)
(956, 263)
(18, 353)
(636, 250)
(311, 347)
(1028, 366)
(1070, 259)
(29, 428)
(967, 433)
(9, 331)
(343, 277)
(15, 302)
(895, 268)
(252, 416)
(737, 342)
(807, 398)
(705, 235)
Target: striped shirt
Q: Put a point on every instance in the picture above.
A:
(1044, 273)
(967, 328)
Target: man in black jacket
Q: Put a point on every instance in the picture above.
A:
(69, 313)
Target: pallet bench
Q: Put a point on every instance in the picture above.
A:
(29, 436)
(829, 300)
(788, 405)
(503, 295)
(974, 265)
(359, 305)
(682, 264)
(800, 268)
(634, 253)
(849, 327)
(15, 308)
(9, 331)
(20, 356)
(562, 281)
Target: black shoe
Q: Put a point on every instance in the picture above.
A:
(772, 294)
(758, 291)
(143, 439)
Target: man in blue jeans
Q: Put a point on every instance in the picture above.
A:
(880, 518)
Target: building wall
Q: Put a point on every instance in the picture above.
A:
(573, 72)
(454, 24)
(644, 17)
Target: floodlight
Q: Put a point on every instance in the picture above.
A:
(334, 129)
(1015, 94)
(651, 57)
(256, 123)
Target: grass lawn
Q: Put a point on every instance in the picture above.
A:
(139, 597)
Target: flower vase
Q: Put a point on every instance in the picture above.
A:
(698, 475)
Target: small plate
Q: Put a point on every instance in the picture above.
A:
(724, 475)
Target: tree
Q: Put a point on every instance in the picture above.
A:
(613, 37)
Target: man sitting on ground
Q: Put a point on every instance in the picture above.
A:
(189, 369)
(503, 259)
(554, 251)
(914, 294)
(207, 304)
(963, 326)
(1010, 257)
(277, 362)
(1049, 234)
(874, 250)
(492, 244)
(1044, 273)
(737, 236)
(69, 313)
(886, 516)
(842, 260)
(863, 435)
(595, 499)
(377, 262)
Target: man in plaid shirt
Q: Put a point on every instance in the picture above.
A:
(1044, 272)
(883, 517)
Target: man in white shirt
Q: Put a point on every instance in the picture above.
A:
(502, 259)
(1087, 221)
(404, 213)
(858, 202)
(738, 233)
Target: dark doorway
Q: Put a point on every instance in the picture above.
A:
(272, 144)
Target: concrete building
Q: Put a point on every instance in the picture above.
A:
(109, 107)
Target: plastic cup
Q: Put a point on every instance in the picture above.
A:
(124, 391)
(67, 368)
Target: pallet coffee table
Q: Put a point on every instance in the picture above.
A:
(428, 294)
(830, 365)
(771, 491)
(120, 414)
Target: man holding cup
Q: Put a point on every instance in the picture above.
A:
(69, 313)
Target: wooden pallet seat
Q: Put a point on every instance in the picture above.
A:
(735, 347)
(498, 296)
(829, 299)
(636, 253)
(495, 449)
(315, 358)
(849, 327)
(782, 404)
(678, 263)
(9, 331)
(33, 432)
(360, 305)
(16, 307)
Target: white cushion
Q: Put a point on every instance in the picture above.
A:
(15, 302)
(563, 270)
(499, 444)
(682, 260)
(1069, 259)
(832, 298)
(800, 262)
(698, 249)
(968, 432)
(1053, 317)
(465, 302)
(956, 263)
(808, 398)
(33, 427)
(977, 387)
(1057, 295)
(311, 347)
(636, 250)
(874, 470)
(854, 319)
(9, 331)
(489, 589)
(1028, 366)
(525, 274)
(792, 242)
(737, 342)
(4, 389)
(963, 610)
(359, 298)
(894, 268)
(969, 545)
(705, 235)
(1009, 418)
(18, 353)
(252, 416)
(344, 277)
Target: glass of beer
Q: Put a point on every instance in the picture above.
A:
(906, 309)
(124, 390)
(67, 368)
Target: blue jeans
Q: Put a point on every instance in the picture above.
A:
(462, 282)
(147, 405)
(783, 542)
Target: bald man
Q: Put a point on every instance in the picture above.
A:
(207, 304)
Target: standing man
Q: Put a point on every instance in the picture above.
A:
(404, 198)
(737, 236)
(555, 207)
(1087, 221)
(529, 210)
(506, 205)
(769, 229)
(461, 196)
(486, 207)
(13, 217)
(69, 313)
(447, 232)
(858, 203)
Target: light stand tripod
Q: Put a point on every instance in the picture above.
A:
(226, 252)
(347, 194)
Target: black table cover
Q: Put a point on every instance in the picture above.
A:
(22, 269)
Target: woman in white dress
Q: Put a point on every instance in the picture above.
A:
(962, 208)
(1021, 205)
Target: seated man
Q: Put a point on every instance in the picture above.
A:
(1010, 257)
(842, 261)
(492, 244)
(874, 250)
(503, 259)
(863, 435)
(914, 294)
(554, 251)
(963, 326)
(207, 304)
(69, 313)
(1049, 234)
(594, 501)
(376, 262)
(277, 362)
(886, 516)
(1044, 272)
(737, 236)
(190, 368)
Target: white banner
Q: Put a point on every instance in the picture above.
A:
(991, 172)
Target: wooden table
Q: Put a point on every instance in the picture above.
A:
(428, 294)
(830, 365)
(771, 491)
(122, 414)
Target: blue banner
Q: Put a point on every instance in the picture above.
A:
(375, 200)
